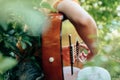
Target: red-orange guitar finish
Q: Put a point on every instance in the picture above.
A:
(51, 49)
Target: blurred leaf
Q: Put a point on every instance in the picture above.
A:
(47, 6)
(6, 63)
(24, 46)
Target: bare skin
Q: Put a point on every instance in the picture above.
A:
(85, 27)
(83, 23)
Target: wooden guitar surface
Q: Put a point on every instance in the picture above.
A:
(51, 49)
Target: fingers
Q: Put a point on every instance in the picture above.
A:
(84, 46)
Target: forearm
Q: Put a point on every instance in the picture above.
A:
(83, 22)
(73, 11)
(88, 34)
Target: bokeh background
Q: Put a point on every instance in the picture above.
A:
(107, 16)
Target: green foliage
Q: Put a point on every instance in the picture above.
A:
(107, 17)
(102, 10)
(22, 11)
(47, 6)
(6, 63)
(20, 22)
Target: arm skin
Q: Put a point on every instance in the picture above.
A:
(83, 22)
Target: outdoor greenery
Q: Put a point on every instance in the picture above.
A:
(22, 24)
(20, 27)
(107, 15)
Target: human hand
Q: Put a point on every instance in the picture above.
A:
(83, 54)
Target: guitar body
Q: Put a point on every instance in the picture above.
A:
(55, 56)
(51, 49)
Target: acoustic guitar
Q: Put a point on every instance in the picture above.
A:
(54, 55)
(51, 49)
